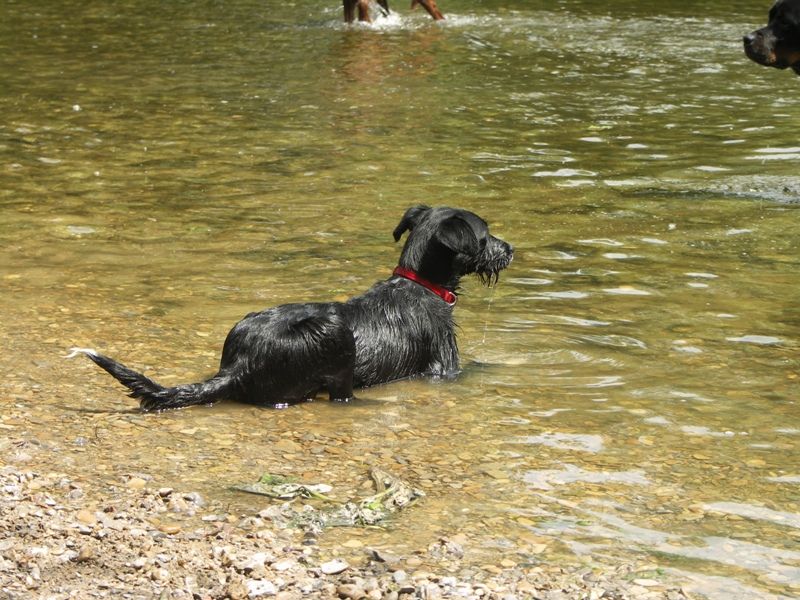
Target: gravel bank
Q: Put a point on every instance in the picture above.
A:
(131, 541)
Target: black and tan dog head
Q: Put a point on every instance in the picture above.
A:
(448, 243)
(778, 44)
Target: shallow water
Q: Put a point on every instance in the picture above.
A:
(629, 389)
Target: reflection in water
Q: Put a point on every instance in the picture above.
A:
(163, 173)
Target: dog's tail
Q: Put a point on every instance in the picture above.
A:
(155, 397)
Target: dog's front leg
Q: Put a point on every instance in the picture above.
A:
(340, 387)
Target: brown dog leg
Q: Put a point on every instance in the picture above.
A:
(430, 6)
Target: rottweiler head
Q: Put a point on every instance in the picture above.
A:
(778, 44)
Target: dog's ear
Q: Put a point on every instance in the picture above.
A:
(458, 235)
(409, 220)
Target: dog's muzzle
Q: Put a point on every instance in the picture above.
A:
(759, 46)
(496, 256)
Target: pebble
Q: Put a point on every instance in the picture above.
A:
(256, 588)
(646, 582)
(399, 576)
(169, 528)
(136, 483)
(84, 554)
(283, 565)
(383, 556)
(508, 563)
(351, 591)
(85, 516)
(332, 567)
(253, 562)
(413, 561)
(287, 446)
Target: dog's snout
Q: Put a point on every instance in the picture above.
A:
(749, 39)
(498, 246)
(509, 252)
(505, 248)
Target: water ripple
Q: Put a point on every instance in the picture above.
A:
(613, 341)
(761, 340)
(565, 441)
(760, 513)
(548, 478)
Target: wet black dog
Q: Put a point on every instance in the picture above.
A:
(778, 44)
(399, 328)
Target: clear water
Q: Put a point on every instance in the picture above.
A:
(629, 389)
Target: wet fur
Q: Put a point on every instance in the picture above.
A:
(778, 44)
(397, 329)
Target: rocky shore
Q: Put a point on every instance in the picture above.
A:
(132, 541)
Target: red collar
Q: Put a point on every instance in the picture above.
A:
(437, 289)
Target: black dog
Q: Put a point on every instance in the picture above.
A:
(778, 44)
(399, 328)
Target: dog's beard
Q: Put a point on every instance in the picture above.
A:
(492, 262)
(489, 279)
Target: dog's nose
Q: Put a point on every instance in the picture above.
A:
(749, 39)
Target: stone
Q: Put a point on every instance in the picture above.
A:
(286, 445)
(332, 567)
(350, 591)
(283, 565)
(431, 591)
(258, 588)
(253, 562)
(169, 528)
(507, 563)
(85, 516)
(383, 556)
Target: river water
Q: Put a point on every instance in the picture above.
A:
(629, 389)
